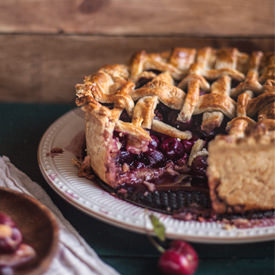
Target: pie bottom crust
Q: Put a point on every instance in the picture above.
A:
(240, 172)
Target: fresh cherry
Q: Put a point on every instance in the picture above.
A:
(10, 236)
(172, 148)
(180, 259)
(4, 219)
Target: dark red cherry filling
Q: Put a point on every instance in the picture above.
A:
(172, 148)
(142, 81)
(199, 166)
(154, 142)
(125, 117)
(125, 157)
(152, 158)
(161, 163)
(183, 160)
(166, 156)
(188, 144)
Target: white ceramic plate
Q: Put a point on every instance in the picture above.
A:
(61, 175)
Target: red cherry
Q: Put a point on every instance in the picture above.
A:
(187, 144)
(154, 158)
(154, 142)
(4, 219)
(172, 148)
(199, 166)
(180, 259)
(10, 236)
(137, 164)
(183, 160)
(125, 157)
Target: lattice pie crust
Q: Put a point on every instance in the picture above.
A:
(223, 86)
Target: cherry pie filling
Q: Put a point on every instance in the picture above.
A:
(164, 167)
(164, 163)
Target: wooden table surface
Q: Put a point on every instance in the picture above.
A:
(22, 126)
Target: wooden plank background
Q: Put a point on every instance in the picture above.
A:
(46, 68)
(204, 17)
(47, 46)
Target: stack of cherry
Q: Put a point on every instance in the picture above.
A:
(13, 252)
(10, 236)
(163, 149)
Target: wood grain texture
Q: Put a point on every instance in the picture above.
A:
(45, 68)
(200, 17)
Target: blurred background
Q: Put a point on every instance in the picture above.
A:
(47, 46)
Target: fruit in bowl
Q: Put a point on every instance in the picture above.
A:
(13, 252)
(10, 236)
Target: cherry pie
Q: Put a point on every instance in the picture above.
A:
(201, 119)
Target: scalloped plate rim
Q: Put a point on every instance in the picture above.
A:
(241, 236)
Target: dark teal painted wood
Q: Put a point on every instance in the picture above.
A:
(22, 126)
(146, 266)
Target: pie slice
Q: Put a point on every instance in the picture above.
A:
(185, 119)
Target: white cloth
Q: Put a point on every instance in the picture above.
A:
(74, 256)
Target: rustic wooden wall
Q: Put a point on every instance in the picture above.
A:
(46, 46)
(207, 17)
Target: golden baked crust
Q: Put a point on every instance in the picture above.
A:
(241, 173)
(218, 84)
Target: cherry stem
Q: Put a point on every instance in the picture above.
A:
(156, 244)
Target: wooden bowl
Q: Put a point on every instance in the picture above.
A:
(38, 226)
